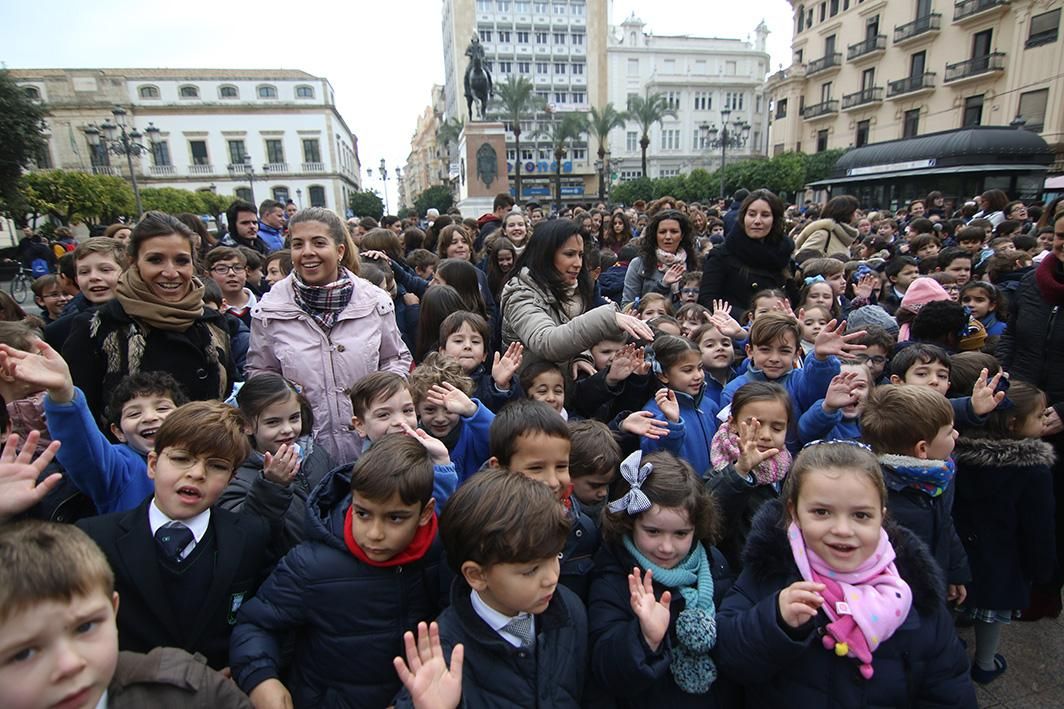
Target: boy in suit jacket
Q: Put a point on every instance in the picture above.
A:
(182, 568)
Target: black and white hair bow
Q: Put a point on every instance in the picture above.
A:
(635, 501)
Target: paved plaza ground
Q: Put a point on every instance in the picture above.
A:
(1035, 678)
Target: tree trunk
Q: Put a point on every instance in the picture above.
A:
(558, 155)
(644, 143)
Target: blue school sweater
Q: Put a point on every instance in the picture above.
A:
(472, 449)
(690, 438)
(805, 385)
(818, 425)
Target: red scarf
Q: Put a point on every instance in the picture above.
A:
(426, 533)
(1049, 283)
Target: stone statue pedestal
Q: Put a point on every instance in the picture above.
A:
(482, 166)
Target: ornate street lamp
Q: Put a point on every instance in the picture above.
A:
(122, 138)
(249, 172)
(384, 180)
(725, 138)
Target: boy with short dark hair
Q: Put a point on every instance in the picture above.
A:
(98, 263)
(957, 262)
(910, 429)
(52, 573)
(524, 636)
(228, 268)
(594, 458)
(528, 437)
(182, 568)
(900, 271)
(369, 570)
(929, 365)
(423, 262)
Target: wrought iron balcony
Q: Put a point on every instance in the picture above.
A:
(828, 61)
(873, 94)
(819, 110)
(919, 27)
(968, 9)
(909, 84)
(995, 61)
(868, 46)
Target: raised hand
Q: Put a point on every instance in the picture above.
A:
(834, 340)
(799, 602)
(666, 401)
(634, 327)
(674, 274)
(653, 615)
(373, 255)
(451, 398)
(425, 674)
(643, 423)
(45, 368)
(582, 366)
(750, 456)
(865, 286)
(841, 392)
(1051, 423)
(640, 365)
(505, 365)
(19, 473)
(281, 467)
(985, 396)
(724, 322)
(438, 453)
(623, 364)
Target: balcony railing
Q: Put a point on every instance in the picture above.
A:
(921, 25)
(910, 84)
(828, 61)
(161, 170)
(995, 61)
(104, 170)
(873, 94)
(313, 167)
(276, 167)
(824, 108)
(201, 169)
(868, 46)
(968, 8)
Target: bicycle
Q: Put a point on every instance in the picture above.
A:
(20, 284)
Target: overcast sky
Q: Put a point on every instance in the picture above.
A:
(381, 57)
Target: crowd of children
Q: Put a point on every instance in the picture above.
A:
(795, 505)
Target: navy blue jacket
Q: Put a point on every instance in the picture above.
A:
(1004, 516)
(497, 674)
(922, 665)
(578, 556)
(621, 662)
(738, 501)
(612, 281)
(348, 617)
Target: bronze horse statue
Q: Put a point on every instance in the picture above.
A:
(478, 85)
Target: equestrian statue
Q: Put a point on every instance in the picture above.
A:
(478, 85)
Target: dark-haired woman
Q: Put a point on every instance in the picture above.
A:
(666, 254)
(547, 303)
(835, 231)
(156, 322)
(755, 256)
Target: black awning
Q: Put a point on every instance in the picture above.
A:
(985, 146)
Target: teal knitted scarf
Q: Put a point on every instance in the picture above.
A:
(696, 625)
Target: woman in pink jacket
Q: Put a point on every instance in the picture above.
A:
(324, 328)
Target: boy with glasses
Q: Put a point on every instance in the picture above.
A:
(227, 267)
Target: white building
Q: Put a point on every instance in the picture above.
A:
(212, 124)
(700, 77)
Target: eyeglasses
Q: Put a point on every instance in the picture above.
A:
(221, 270)
(54, 295)
(873, 359)
(183, 460)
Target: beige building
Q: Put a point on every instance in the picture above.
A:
(427, 163)
(558, 45)
(867, 71)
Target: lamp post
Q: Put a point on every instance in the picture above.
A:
(603, 169)
(122, 138)
(299, 198)
(384, 181)
(249, 172)
(725, 138)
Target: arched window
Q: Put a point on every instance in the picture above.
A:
(228, 92)
(280, 194)
(317, 196)
(188, 92)
(267, 91)
(148, 91)
(32, 92)
(243, 193)
(304, 91)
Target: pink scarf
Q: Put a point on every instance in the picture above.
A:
(667, 259)
(725, 450)
(865, 606)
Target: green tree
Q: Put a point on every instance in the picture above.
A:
(449, 132)
(516, 97)
(601, 123)
(77, 196)
(21, 120)
(437, 196)
(646, 111)
(171, 200)
(367, 204)
(819, 165)
(564, 129)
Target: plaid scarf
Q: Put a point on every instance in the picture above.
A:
(323, 303)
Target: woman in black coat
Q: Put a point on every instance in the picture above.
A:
(755, 256)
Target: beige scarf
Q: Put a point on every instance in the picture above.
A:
(141, 304)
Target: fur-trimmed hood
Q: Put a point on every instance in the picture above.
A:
(1003, 452)
(768, 556)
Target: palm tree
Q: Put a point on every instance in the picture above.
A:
(517, 98)
(646, 112)
(564, 127)
(601, 124)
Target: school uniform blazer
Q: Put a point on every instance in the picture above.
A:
(145, 619)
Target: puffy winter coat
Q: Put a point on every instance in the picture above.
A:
(621, 662)
(365, 339)
(638, 283)
(1032, 347)
(535, 318)
(578, 556)
(348, 617)
(922, 665)
(739, 502)
(1004, 516)
(826, 236)
(691, 437)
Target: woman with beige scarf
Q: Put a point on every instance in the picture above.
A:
(835, 232)
(156, 322)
